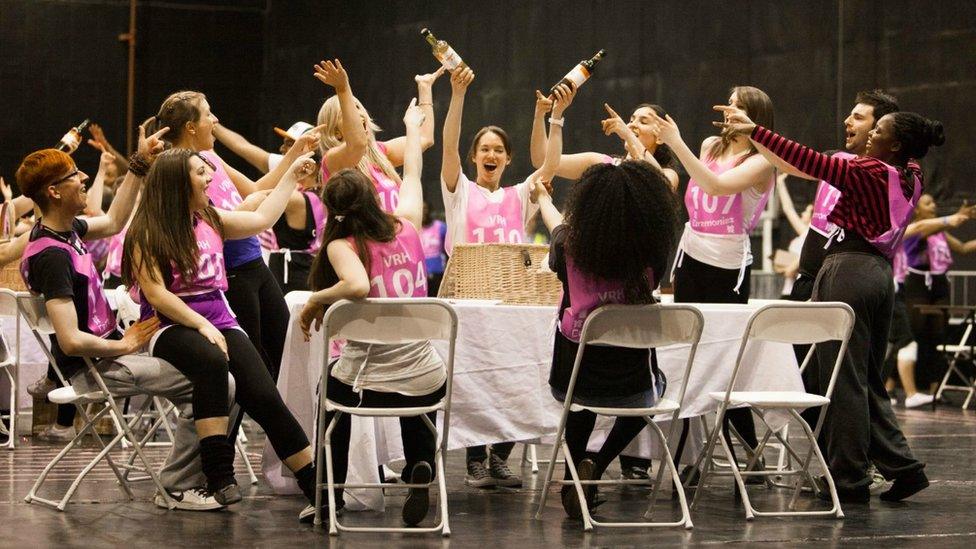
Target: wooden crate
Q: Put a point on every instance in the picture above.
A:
(512, 273)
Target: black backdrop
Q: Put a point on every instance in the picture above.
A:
(61, 61)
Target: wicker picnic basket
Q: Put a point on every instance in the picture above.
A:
(10, 277)
(509, 272)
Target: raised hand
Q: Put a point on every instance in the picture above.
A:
(427, 80)
(308, 141)
(6, 191)
(543, 104)
(331, 73)
(303, 166)
(564, 98)
(152, 145)
(967, 210)
(736, 120)
(539, 190)
(105, 160)
(615, 124)
(414, 116)
(98, 137)
(665, 128)
(460, 80)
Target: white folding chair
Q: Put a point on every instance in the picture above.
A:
(637, 327)
(34, 313)
(798, 324)
(960, 352)
(388, 321)
(9, 364)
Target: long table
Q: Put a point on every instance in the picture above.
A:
(501, 391)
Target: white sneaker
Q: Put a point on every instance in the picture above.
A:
(918, 399)
(194, 499)
(894, 402)
(57, 433)
(878, 482)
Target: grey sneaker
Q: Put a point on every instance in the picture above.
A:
(194, 499)
(502, 474)
(57, 433)
(41, 387)
(478, 475)
(878, 482)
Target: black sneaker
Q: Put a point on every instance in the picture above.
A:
(478, 475)
(417, 504)
(570, 499)
(845, 495)
(228, 495)
(634, 473)
(503, 476)
(906, 487)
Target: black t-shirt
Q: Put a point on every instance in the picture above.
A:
(52, 274)
(605, 371)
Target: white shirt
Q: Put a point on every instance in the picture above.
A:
(411, 369)
(456, 207)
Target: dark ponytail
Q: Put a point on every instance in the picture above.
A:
(916, 134)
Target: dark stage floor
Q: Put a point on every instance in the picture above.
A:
(942, 516)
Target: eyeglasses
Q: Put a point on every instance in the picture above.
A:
(86, 182)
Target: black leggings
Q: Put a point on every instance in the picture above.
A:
(418, 441)
(579, 427)
(205, 365)
(256, 299)
(697, 282)
(928, 329)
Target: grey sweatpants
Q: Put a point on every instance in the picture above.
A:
(134, 375)
(860, 427)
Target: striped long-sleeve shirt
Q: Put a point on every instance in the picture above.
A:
(863, 182)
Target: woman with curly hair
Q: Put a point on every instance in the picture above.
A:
(631, 205)
(879, 192)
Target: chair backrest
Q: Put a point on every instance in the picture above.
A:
(34, 312)
(802, 323)
(799, 323)
(641, 327)
(387, 320)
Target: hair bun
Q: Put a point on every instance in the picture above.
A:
(936, 132)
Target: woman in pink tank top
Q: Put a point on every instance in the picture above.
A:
(638, 138)
(601, 208)
(927, 252)
(368, 252)
(174, 249)
(348, 138)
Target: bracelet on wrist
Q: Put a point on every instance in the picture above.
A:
(428, 104)
(139, 164)
(557, 121)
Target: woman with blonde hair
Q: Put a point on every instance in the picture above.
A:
(348, 136)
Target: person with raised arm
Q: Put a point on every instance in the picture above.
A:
(928, 248)
(632, 205)
(638, 141)
(348, 139)
(368, 252)
(482, 211)
(253, 293)
(174, 250)
(727, 191)
(878, 193)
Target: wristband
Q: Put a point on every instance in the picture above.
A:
(945, 221)
(556, 121)
(139, 164)
(425, 104)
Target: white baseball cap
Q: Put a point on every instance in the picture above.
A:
(295, 131)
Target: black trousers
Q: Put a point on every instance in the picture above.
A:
(256, 299)
(697, 282)
(419, 443)
(205, 365)
(928, 329)
(860, 427)
(298, 270)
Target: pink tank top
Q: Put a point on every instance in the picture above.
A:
(900, 210)
(386, 189)
(720, 215)
(397, 267)
(487, 221)
(113, 260)
(586, 294)
(101, 319)
(899, 265)
(824, 202)
(211, 274)
(221, 191)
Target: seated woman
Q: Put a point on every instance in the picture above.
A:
(632, 206)
(174, 251)
(367, 252)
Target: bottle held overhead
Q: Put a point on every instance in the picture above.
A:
(69, 143)
(443, 52)
(581, 72)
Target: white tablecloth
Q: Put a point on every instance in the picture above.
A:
(501, 391)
